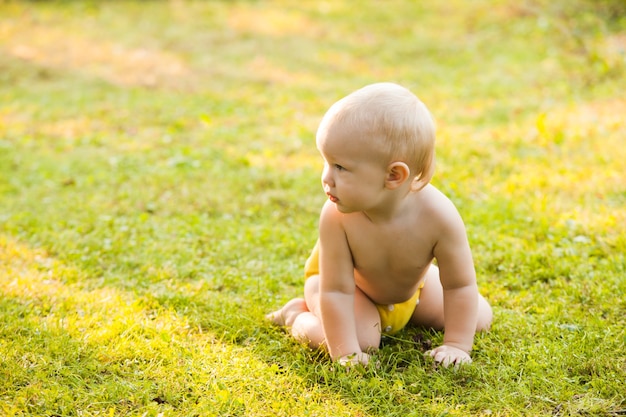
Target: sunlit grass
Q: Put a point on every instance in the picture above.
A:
(159, 192)
(121, 352)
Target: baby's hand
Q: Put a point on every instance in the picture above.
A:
(449, 355)
(354, 359)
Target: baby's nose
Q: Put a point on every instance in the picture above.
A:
(326, 178)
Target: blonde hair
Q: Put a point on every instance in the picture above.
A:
(395, 123)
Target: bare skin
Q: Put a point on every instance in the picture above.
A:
(379, 235)
(428, 314)
(375, 247)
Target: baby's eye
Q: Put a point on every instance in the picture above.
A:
(339, 167)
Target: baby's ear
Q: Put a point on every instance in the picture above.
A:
(397, 174)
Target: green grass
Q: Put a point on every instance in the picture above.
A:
(159, 193)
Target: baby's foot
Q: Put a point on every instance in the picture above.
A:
(287, 315)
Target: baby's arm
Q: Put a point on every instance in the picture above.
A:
(460, 293)
(337, 287)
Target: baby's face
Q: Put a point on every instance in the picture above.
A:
(353, 177)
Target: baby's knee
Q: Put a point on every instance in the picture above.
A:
(370, 341)
(307, 329)
(485, 316)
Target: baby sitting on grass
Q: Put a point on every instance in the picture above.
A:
(371, 271)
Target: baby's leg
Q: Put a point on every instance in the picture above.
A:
(288, 313)
(303, 325)
(485, 314)
(308, 327)
(429, 312)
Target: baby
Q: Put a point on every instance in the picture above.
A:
(371, 271)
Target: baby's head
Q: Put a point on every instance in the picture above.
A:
(392, 123)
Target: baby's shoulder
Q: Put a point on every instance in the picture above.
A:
(436, 206)
(430, 198)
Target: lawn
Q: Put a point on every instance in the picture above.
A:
(160, 191)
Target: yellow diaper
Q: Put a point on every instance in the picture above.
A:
(312, 265)
(393, 317)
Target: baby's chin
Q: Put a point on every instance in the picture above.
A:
(343, 209)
